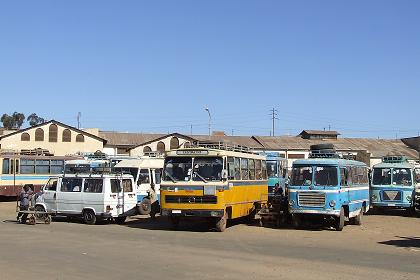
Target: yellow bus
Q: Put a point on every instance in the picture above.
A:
(34, 167)
(215, 181)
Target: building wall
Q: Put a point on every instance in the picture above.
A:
(90, 144)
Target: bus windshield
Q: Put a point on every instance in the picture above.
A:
(401, 177)
(272, 168)
(207, 169)
(177, 169)
(381, 176)
(326, 176)
(301, 176)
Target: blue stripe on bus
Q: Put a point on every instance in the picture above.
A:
(24, 177)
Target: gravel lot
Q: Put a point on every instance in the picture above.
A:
(385, 247)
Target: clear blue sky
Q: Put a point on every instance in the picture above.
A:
(154, 65)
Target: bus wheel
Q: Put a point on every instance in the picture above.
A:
(222, 223)
(411, 211)
(145, 206)
(297, 221)
(339, 223)
(358, 219)
(120, 220)
(174, 222)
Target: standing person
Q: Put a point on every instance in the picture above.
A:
(25, 197)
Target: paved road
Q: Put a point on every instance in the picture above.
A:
(385, 247)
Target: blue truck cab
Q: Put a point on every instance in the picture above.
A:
(328, 187)
(394, 184)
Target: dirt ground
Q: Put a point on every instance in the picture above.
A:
(384, 247)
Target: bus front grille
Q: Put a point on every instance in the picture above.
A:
(311, 199)
(207, 199)
(391, 195)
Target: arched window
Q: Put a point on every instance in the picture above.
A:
(80, 138)
(53, 133)
(161, 147)
(187, 144)
(147, 149)
(174, 143)
(25, 137)
(66, 135)
(39, 134)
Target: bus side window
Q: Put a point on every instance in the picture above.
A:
(251, 169)
(231, 168)
(237, 169)
(258, 169)
(264, 170)
(5, 166)
(344, 174)
(244, 169)
(158, 175)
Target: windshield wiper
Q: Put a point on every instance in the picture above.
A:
(170, 176)
(201, 177)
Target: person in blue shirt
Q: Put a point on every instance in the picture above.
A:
(24, 197)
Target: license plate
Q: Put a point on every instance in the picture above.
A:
(391, 204)
(176, 211)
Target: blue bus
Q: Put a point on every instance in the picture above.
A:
(277, 174)
(394, 184)
(329, 188)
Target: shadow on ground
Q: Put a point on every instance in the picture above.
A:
(403, 242)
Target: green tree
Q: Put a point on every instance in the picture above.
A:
(34, 119)
(14, 121)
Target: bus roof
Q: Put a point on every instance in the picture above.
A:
(147, 162)
(404, 164)
(328, 161)
(206, 152)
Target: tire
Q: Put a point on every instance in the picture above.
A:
(174, 222)
(120, 220)
(358, 219)
(221, 223)
(89, 217)
(47, 220)
(411, 211)
(38, 209)
(297, 221)
(145, 207)
(326, 146)
(32, 220)
(339, 223)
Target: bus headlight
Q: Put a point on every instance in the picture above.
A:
(332, 203)
(291, 202)
(409, 198)
(374, 197)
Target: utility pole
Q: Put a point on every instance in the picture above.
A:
(191, 130)
(232, 131)
(79, 120)
(208, 111)
(274, 116)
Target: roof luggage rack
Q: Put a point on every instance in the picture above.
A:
(221, 146)
(323, 151)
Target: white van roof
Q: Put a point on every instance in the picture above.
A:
(146, 162)
(107, 175)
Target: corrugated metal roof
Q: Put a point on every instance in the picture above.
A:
(377, 147)
(321, 132)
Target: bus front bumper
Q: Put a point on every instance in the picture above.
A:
(317, 212)
(192, 213)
